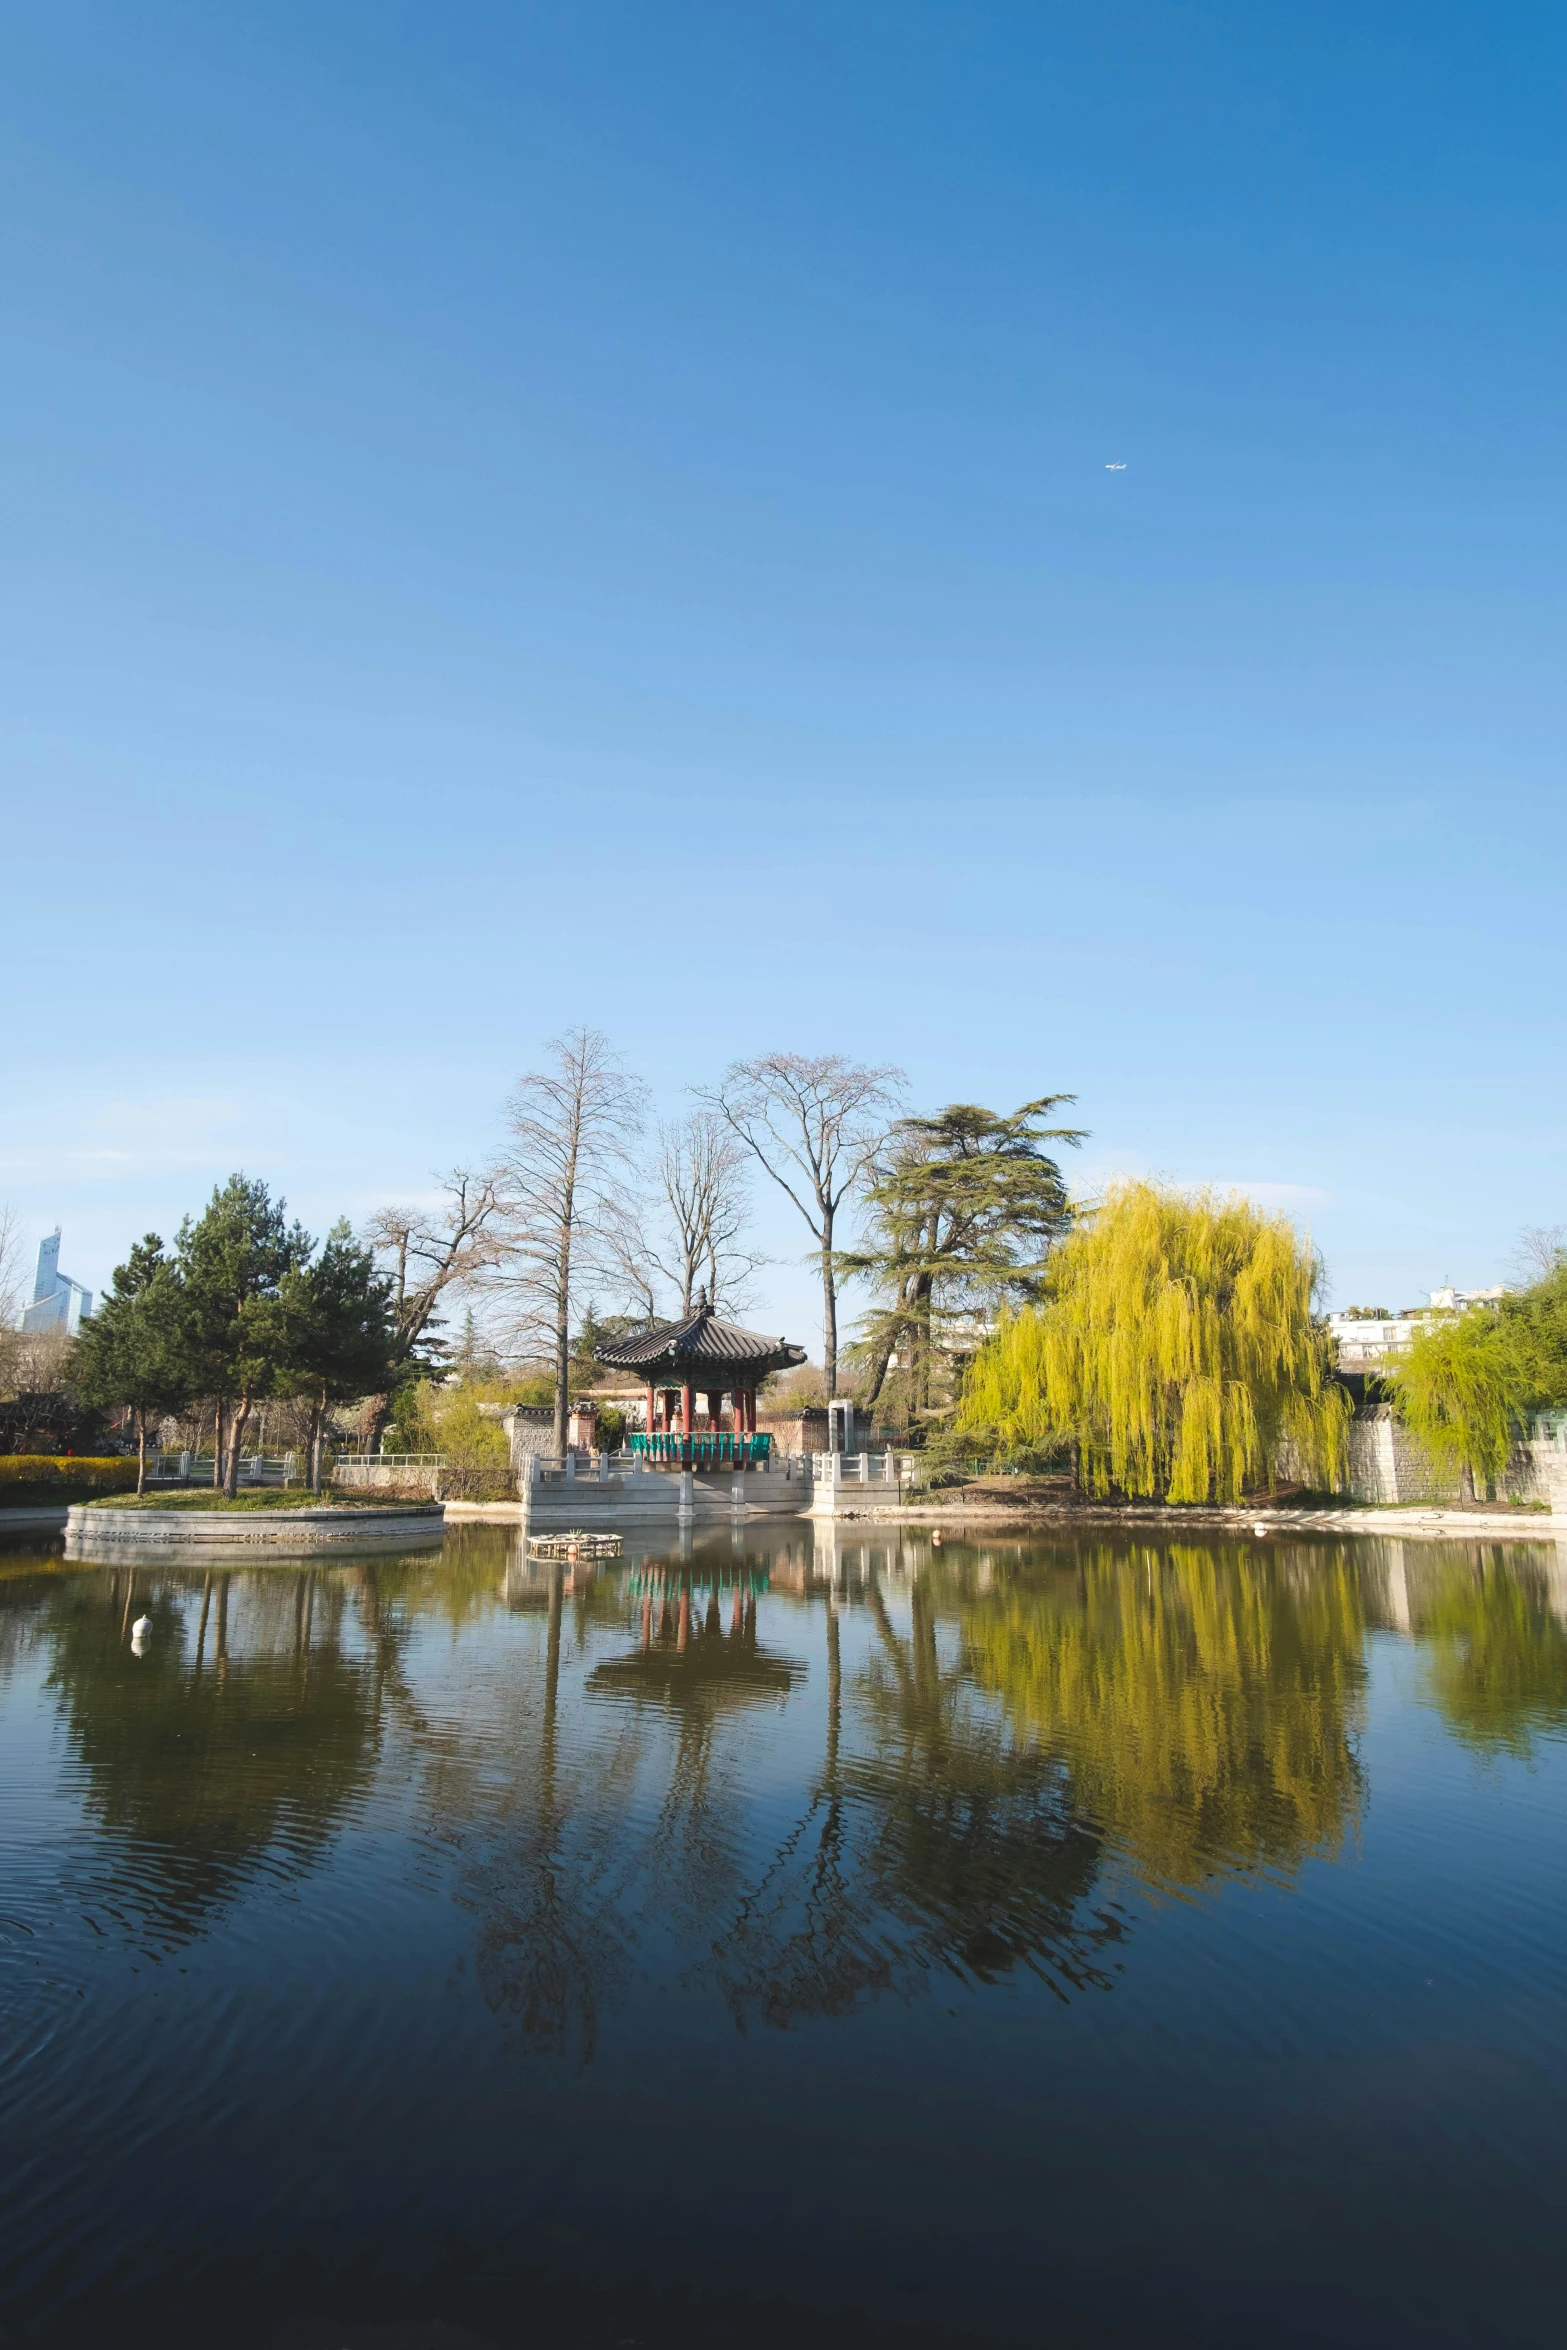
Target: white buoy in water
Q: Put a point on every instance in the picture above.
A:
(141, 1627)
(1259, 1528)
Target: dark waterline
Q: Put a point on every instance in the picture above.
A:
(1094, 1941)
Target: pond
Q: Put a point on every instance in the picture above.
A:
(1105, 1940)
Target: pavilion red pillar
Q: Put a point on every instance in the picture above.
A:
(652, 1408)
(688, 1415)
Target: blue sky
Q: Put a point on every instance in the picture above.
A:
(524, 514)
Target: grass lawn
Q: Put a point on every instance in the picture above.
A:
(276, 1497)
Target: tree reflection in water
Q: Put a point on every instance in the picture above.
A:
(207, 1762)
(545, 1878)
(697, 1665)
(1204, 1699)
(999, 1735)
(1191, 1707)
(1495, 1650)
(933, 1843)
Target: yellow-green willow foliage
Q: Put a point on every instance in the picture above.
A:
(1495, 1656)
(1176, 1348)
(1204, 1702)
(1457, 1391)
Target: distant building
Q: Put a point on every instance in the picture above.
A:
(59, 1303)
(1370, 1337)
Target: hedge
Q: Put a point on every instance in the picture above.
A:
(31, 1480)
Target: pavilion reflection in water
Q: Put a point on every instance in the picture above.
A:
(1001, 1738)
(699, 1651)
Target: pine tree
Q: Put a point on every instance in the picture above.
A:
(964, 1207)
(134, 1350)
(232, 1261)
(339, 1332)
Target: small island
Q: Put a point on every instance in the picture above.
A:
(280, 1523)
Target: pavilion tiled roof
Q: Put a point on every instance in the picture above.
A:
(699, 1342)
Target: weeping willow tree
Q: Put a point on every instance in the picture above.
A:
(1457, 1391)
(1207, 1707)
(1176, 1350)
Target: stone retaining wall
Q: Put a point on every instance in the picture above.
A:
(97, 1533)
(1387, 1465)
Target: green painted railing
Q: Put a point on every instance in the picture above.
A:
(703, 1452)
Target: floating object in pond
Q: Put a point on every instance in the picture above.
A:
(576, 1544)
(935, 1542)
(141, 1627)
(1260, 1528)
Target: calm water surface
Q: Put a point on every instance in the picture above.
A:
(1091, 1941)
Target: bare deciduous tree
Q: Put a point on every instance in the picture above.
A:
(430, 1252)
(572, 1128)
(814, 1122)
(10, 1267)
(688, 1234)
(625, 1257)
(1540, 1251)
(11, 1295)
(701, 1173)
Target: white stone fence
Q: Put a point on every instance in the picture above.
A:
(888, 1469)
(195, 1468)
(613, 1468)
(369, 1472)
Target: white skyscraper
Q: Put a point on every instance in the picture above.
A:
(59, 1303)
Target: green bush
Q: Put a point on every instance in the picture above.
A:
(474, 1448)
(34, 1480)
(411, 1429)
(952, 1456)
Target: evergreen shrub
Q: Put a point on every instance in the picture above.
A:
(32, 1480)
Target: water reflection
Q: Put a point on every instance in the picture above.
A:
(1204, 1699)
(690, 1662)
(214, 1752)
(970, 1750)
(415, 1897)
(1490, 1624)
(553, 1941)
(931, 1843)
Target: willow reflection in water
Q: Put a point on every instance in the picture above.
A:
(1000, 1733)
(534, 1869)
(1192, 1710)
(1204, 1700)
(1495, 1648)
